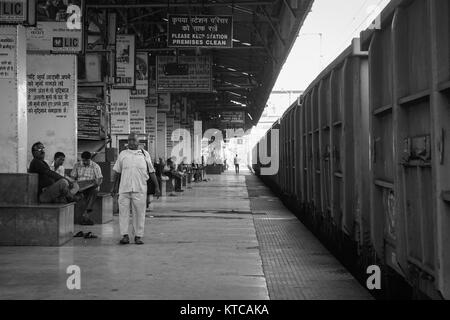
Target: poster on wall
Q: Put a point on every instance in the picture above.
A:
(59, 27)
(18, 12)
(52, 104)
(164, 102)
(188, 74)
(7, 56)
(137, 116)
(142, 73)
(91, 115)
(120, 111)
(151, 118)
(125, 72)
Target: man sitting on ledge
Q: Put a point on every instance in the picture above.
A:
(53, 188)
(89, 177)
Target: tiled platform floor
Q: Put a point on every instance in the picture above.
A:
(205, 244)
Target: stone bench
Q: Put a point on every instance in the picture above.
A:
(19, 188)
(102, 212)
(36, 225)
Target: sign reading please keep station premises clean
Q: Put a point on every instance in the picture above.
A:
(200, 31)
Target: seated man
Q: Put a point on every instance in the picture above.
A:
(57, 164)
(174, 174)
(53, 188)
(89, 177)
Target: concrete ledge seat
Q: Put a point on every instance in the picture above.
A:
(19, 188)
(36, 225)
(216, 169)
(102, 212)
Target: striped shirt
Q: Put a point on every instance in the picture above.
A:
(81, 172)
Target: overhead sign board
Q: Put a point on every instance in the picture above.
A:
(125, 61)
(59, 27)
(200, 31)
(184, 74)
(18, 12)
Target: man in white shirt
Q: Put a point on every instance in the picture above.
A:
(133, 168)
(57, 164)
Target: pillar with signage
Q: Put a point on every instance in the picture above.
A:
(170, 128)
(120, 112)
(13, 123)
(52, 104)
(151, 118)
(161, 138)
(137, 116)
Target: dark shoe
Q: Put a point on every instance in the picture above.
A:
(138, 240)
(125, 240)
(87, 222)
(90, 235)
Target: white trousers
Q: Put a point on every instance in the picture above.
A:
(138, 203)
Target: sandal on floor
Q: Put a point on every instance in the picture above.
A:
(90, 235)
(79, 235)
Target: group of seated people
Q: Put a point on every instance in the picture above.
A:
(55, 186)
(175, 173)
(86, 177)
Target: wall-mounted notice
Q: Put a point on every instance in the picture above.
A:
(137, 116)
(188, 74)
(125, 61)
(232, 117)
(90, 115)
(161, 148)
(142, 73)
(200, 31)
(120, 111)
(52, 104)
(164, 102)
(7, 56)
(18, 12)
(59, 27)
(151, 129)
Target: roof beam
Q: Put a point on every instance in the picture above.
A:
(170, 4)
(272, 24)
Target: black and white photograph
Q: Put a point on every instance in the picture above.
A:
(225, 158)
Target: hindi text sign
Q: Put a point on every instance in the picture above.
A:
(200, 31)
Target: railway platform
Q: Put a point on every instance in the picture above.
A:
(228, 239)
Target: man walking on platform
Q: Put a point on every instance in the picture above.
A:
(236, 164)
(132, 170)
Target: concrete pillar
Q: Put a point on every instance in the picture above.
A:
(13, 102)
(151, 115)
(170, 128)
(161, 146)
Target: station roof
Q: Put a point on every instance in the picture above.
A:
(244, 75)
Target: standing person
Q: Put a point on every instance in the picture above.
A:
(57, 164)
(236, 164)
(53, 188)
(89, 177)
(132, 169)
